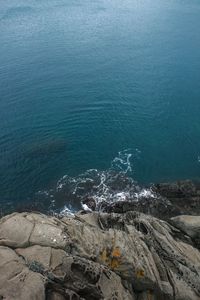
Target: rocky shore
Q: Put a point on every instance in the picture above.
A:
(142, 251)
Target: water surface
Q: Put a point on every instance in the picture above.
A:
(82, 80)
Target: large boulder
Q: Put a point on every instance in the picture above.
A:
(189, 225)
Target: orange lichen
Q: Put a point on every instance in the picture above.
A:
(116, 252)
(104, 256)
(112, 258)
(140, 273)
(114, 263)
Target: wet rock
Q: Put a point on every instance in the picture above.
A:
(184, 196)
(158, 207)
(90, 203)
(165, 200)
(177, 189)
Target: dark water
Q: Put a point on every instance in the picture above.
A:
(82, 80)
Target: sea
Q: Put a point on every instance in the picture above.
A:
(98, 98)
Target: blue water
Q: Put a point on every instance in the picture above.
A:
(82, 80)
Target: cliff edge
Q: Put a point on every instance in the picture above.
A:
(112, 256)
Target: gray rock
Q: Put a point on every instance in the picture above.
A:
(16, 280)
(188, 224)
(96, 256)
(57, 296)
(11, 233)
(36, 253)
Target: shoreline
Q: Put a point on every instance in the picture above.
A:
(163, 200)
(129, 251)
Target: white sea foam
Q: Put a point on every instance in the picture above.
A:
(110, 186)
(66, 211)
(145, 193)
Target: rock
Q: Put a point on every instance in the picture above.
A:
(189, 225)
(56, 296)
(47, 235)
(37, 230)
(179, 189)
(11, 233)
(16, 280)
(158, 207)
(97, 256)
(76, 275)
(166, 200)
(163, 200)
(36, 253)
(184, 197)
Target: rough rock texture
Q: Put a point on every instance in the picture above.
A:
(184, 196)
(96, 256)
(17, 281)
(190, 225)
(169, 200)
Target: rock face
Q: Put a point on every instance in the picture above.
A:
(190, 225)
(16, 280)
(94, 255)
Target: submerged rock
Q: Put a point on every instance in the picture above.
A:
(96, 256)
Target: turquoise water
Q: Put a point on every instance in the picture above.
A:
(82, 80)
